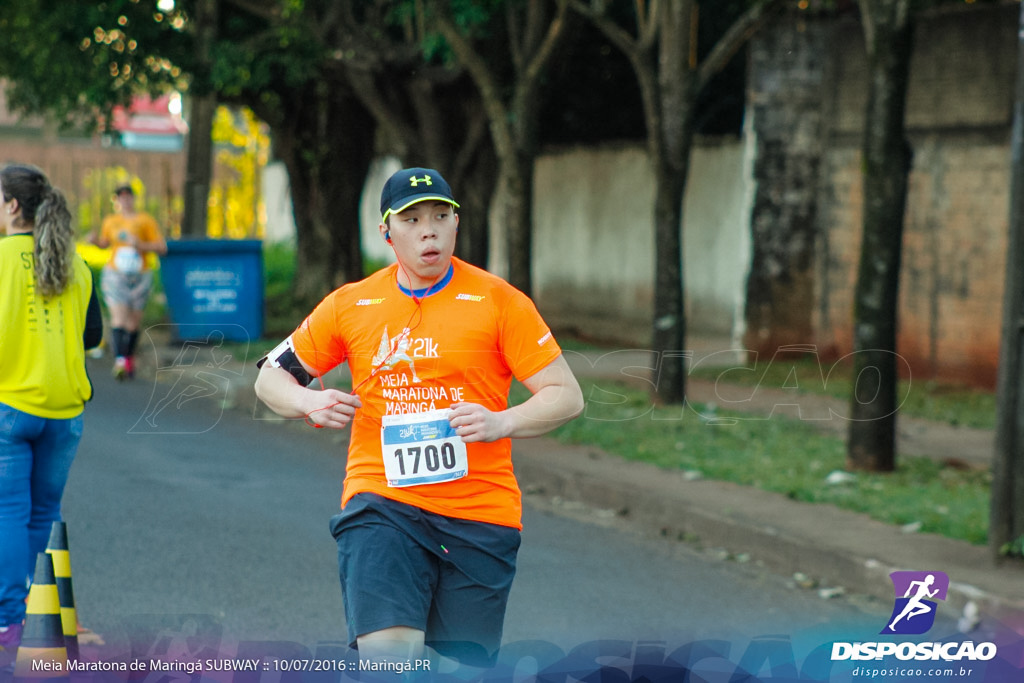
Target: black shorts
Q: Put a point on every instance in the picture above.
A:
(403, 566)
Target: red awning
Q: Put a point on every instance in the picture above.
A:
(148, 117)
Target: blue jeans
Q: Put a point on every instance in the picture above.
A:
(35, 457)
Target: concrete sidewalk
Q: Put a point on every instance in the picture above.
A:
(832, 547)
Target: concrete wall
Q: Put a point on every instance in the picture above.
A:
(594, 240)
(277, 198)
(374, 247)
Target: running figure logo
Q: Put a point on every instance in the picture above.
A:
(393, 351)
(914, 611)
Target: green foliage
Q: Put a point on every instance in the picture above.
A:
(292, 7)
(78, 59)
(253, 55)
(156, 306)
(473, 16)
(410, 22)
(281, 311)
(1014, 548)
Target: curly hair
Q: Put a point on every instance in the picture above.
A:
(44, 209)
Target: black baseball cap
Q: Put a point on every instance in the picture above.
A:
(123, 189)
(411, 186)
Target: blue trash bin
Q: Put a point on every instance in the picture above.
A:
(214, 288)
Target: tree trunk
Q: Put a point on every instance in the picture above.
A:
(198, 165)
(1006, 518)
(515, 136)
(203, 103)
(472, 169)
(516, 202)
(786, 121)
(887, 160)
(669, 333)
(327, 145)
(475, 187)
(676, 100)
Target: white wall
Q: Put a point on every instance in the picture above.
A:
(716, 237)
(277, 198)
(594, 240)
(374, 246)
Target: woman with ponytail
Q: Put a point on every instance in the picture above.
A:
(49, 316)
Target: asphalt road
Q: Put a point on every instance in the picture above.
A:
(185, 515)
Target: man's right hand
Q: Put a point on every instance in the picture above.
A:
(332, 408)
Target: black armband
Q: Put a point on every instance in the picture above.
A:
(283, 356)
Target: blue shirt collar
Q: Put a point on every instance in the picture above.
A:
(432, 289)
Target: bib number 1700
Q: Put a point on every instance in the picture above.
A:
(431, 459)
(421, 448)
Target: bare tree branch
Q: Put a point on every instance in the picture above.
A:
(649, 24)
(532, 36)
(474, 137)
(739, 32)
(485, 80)
(366, 90)
(595, 12)
(515, 40)
(544, 51)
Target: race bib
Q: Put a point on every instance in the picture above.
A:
(421, 448)
(128, 260)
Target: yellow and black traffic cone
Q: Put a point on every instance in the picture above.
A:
(42, 653)
(58, 550)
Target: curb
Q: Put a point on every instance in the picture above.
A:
(836, 547)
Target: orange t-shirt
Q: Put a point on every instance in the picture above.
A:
(119, 230)
(466, 341)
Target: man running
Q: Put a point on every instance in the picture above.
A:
(431, 511)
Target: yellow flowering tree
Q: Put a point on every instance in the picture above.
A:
(236, 209)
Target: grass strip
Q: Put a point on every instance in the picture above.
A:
(781, 455)
(940, 402)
